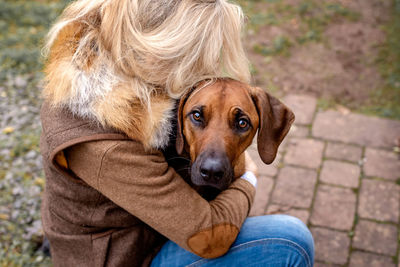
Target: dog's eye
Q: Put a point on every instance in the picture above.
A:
(196, 116)
(242, 123)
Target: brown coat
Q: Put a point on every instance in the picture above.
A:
(110, 202)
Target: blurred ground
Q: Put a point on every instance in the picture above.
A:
(336, 50)
(23, 25)
(327, 59)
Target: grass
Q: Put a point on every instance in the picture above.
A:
(385, 101)
(317, 15)
(310, 18)
(23, 26)
(279, 46)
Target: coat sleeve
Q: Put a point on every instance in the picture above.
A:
(143, 184)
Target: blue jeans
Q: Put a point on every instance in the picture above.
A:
(270, 240)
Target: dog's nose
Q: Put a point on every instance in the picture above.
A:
(212, 169)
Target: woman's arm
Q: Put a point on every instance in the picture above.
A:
(142, 183)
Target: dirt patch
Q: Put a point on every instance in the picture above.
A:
(373, 12)
(339, 66)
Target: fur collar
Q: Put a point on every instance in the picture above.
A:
(93, 90)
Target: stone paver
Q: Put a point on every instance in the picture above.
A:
(355, 128)
(321, 264)
(299, 131)
(294, 187)
(264, 186)
(302, 106)
(343, 152)
(337, 148)
(264, 169)
(382, 163)
(361, 259)
(379, 200)
(330, 246)
(304, 152)
(332, 200)
(376, 237)
(340, 173)
(303, 215)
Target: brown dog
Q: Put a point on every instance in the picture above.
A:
(216, 123)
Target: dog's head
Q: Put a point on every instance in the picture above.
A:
(217, 122)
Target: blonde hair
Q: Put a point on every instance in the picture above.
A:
(168, 44)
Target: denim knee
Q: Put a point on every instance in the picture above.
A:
(270, 240)
(278, 228)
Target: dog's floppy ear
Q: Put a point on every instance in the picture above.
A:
(275, 122)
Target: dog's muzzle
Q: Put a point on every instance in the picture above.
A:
(212, 169)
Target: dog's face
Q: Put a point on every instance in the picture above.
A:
(217, 123)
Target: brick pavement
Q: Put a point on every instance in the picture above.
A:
(338, 172)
